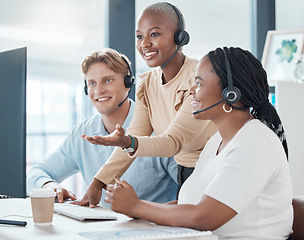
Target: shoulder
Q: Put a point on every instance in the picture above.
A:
(150, 75)
(258, 130)
(187, 73)
(189, 66)
(257, 138)
(191, 62)
(148, 81)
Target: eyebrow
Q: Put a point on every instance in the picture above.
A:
(150, 29)
(105, 77)
(199, 78)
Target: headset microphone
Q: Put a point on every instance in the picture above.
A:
(205, 109)
(176, 51)
(119, 105)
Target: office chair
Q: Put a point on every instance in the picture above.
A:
(298, 220)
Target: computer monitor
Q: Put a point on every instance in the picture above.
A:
(13, 122)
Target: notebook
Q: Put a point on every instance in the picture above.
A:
(83, 212)
(157, 232)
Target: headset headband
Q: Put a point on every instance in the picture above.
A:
(181, 22)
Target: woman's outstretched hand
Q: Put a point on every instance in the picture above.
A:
(116, 138)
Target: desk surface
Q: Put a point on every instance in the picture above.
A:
(62, 227)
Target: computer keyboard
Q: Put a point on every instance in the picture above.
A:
(82, 212)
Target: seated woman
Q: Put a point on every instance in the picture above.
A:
(240, 188)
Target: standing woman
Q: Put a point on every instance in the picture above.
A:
(240, 188)
(162, 105)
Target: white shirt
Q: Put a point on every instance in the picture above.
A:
(251, 176)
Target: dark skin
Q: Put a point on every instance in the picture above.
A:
(155, 43)
(208, 213)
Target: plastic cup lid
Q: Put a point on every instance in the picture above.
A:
(42, 192)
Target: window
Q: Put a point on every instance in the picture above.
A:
(58, 35)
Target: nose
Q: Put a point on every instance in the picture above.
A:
(99, 88)
(145, 42)
(192, 90)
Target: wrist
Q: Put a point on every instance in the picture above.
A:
(137, 209)
(131, 146)
(98, 184)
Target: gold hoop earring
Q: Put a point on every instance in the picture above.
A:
(224, 108)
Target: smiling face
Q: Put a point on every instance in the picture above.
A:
(106, 88)
(207, 91)
(155, 37)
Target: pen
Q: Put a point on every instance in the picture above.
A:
(12, 222)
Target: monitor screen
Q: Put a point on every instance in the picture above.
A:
(13, 123)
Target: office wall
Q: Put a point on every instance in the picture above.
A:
(289, 14)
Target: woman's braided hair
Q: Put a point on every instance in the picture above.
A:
(250, 78)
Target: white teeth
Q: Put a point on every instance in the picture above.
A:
(148, 54)
(102, 99)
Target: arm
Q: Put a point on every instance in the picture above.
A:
(185, 133)
(47, 174)
(208, 214)
(54, 169)
(118, 162)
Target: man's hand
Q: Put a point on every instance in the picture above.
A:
(93, 194)
(62, 193)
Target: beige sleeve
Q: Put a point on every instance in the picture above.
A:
(115, 166)
(119, 161)
(185, 133)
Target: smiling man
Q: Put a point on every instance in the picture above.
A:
(108, 78)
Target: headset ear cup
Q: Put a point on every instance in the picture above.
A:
(231, 95)
(85, 87)
(129, 81)
(181, 37)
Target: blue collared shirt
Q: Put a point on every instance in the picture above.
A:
(153, 178)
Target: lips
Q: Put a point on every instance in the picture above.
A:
(102, 99)
(194, 103)
(149, 55)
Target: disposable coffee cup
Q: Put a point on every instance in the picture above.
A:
(42, 201)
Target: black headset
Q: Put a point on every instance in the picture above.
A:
(231, 94)
(129, 79)
(181, 36)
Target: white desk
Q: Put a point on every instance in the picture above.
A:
(63, 228)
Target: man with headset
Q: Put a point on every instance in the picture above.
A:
(108, 79)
